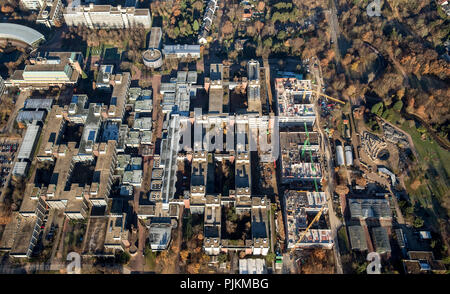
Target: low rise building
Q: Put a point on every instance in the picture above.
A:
(28, 117)
(251, 266)
(370, 208)
(260, 225)
(152, 56)
(38, 104)
(121, 85)
(423, 262)
(55, 125)
(181, 51)
(160, 234)
(212, 225)
(28, 145)
(357, 238)
(381, 240)
(104, 76)
(208, 18)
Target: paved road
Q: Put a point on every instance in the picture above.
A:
(138, 261)
(23, 95)
(335, 223)
(268, 84)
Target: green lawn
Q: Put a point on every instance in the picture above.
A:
(150, 258)
(344, 244)
(435, 162)
(432, 170)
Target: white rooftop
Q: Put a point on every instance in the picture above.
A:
(20, 33)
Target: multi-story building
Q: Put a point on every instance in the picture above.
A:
(298, 205)
(295, 106)
(49, 69)
(254, 87)
(121, 85)
(299, 160)
(152, 56)
(207, 21)
(107, 16)
(32, 4)
(50, 13)
(24, 229)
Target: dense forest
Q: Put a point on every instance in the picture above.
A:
(409, 36)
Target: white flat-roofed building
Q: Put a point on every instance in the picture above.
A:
(160, 235)
(38, 104)
(90, 134)
(20, 168)
(29, 142)
(106, 16)
(32, 4)
(119, 96)
(182, 51)
(252, 266)
(143, 124)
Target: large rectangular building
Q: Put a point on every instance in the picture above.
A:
(107, 16)
(181, 51)
(370, 208)
(295, 106)
(29, 142)
(49, 69)
(299, 161)
(32, 4)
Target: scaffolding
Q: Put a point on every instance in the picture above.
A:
(319, 213)
(307, 144)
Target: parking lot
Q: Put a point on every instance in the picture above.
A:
(8, 149)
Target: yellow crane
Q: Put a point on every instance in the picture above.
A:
(328, 97)
(322, 94)
(316, 218)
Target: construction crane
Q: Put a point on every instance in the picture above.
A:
(328, 97)
(322, 94)
(316, 218)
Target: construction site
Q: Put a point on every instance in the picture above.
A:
(304, 179)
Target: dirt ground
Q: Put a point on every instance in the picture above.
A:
(392, 162)
(316, 261)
